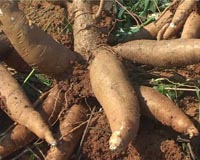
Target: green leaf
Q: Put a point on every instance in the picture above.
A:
(121, 13)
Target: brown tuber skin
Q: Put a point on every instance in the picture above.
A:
(11, 57)
(32, 42)
(116, 95)
(20, 109)
(166, 53)
(20, 136)
(71, 135)
(108, 78)
(158, 106)
(192, 26)
(182, 12)
(109, 81)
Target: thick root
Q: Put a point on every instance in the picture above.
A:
(165, 18)
(20, 136)
(70, 132)
(184, 9)
(166, 53)
(10, 56)
(159, 107)
(19, 108)
(35, 46)
(116, 95)
(192, 26)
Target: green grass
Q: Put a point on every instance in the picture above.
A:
(127, 12)
(175, 90)
(198, 96)
(34, 83)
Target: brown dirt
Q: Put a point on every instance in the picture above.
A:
(51, 18)
(154, 141)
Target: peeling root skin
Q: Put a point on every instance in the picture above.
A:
(117, 97)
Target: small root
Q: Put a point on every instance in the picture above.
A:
(101, 5)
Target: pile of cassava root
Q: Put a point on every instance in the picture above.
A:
(122, 102)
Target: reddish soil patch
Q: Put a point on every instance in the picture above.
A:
(154, 141)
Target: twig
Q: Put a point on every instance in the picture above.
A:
(41, 98)
(72, 130)
(177, 84)
(180, 89)
(36, 89)
(7, 130)
(133, 15)
(38, 141)
(188, 147)
(191, 151)
(39, 150)
(84, 134)
(54, 107)
(157, 6)
(101, 5)
(167, 8)
(35, 155)
(20, 154)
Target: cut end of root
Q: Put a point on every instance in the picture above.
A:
(115, 142)
(53, 144)
(192, 132)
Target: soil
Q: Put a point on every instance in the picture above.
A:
(154, 141)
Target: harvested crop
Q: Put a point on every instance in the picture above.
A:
(167, 53)
(116, 95)
(159, 107)
(20, 136)
(71, 129)
(192, 26)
